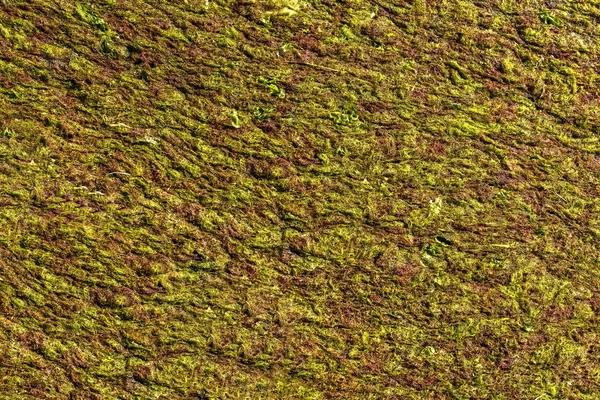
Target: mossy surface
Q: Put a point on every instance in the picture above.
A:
(290, 199)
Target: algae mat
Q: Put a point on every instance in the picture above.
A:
(287, 199)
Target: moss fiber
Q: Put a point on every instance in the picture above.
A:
(300, 199)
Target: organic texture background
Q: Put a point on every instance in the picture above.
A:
(295, 199)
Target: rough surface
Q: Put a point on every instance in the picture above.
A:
(293, 199)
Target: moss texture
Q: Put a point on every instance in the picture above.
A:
(288, 199)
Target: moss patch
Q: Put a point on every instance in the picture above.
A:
(299, 199)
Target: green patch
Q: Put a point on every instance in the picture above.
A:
(548, 18)
(90, 17)
(272, 87)
(345, 117)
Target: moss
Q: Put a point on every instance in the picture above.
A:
(298, 199)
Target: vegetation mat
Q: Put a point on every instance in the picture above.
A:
(299, 199)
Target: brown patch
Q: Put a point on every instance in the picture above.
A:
(300, 244)
(437, 147)
(484, 193)
(375, 106)
(284, 282)
(232, 229)
(238, 268)
(493, 301)
(307, 56)
(535, 341)
(309, 43)
(593, 164)
(34, 340)
(374, 31)
(405, 273)
(419, 94)
(279, 168)
(146, 287)
(142, 373)
(38, 392)
(348, 316)
(74, 357)
(373, 363)
(421, 383)
(595, 303)
(505, 179)
(506, 363)
(113, 297)
(269, 126)
(190, 212)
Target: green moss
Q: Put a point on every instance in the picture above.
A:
(88, 15)
(297, 199)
